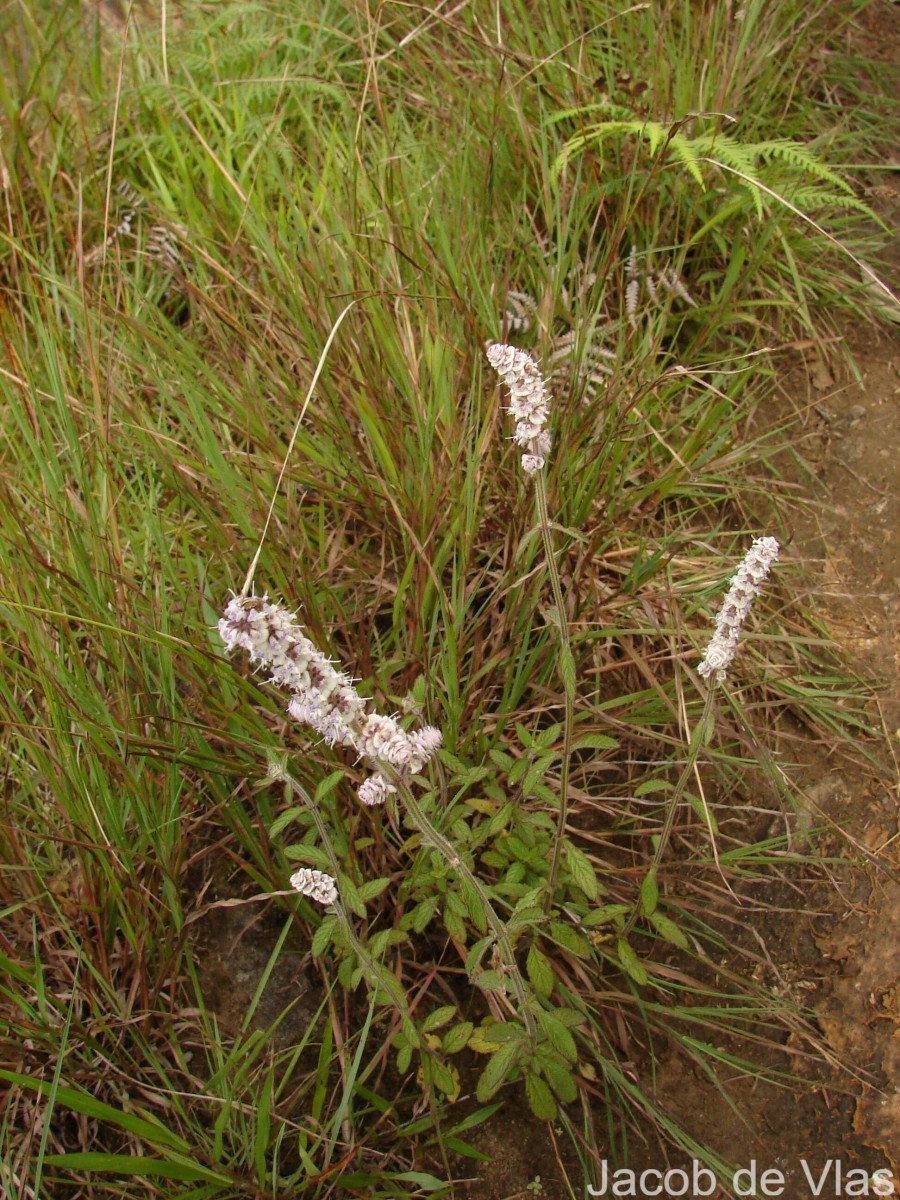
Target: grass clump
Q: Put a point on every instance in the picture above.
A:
(188, 210)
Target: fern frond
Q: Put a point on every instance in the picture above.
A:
(685, 151)
(800, 156)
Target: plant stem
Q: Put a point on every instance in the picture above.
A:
(567, 672)
(697, 740)
(376, 974)
(445, 848)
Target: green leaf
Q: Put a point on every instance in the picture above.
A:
(440, 1017)
(705, 813)
(148, 1129)
(322, 936)
(404, 1058)
(568, 1017)
(476, 953)
(444, 1077)
(428, 1183)
(349, 893)
(540, 1098)
(453, 921)
(284, 819)
(595, 741)
(457, 1038)
(605, 915)
(263, 1129)
(315, 856)
(419, 918)
(499, 1068)
(539, 971)
(489, 981)
(566, 936)
(670, 931)
(328, 784)
(558, 1035)
(649, 893)
(567, 669)
(630, 962)
(560, 1079)
(653, 785)
(372, 888)
(134, 1164)
(582, 870)
(473, 903)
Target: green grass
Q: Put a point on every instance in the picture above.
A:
(409, 162)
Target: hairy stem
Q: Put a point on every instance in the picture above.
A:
(445, 848)
(697, 741)
(568, 681)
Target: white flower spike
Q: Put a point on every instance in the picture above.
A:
(745, 585)
(529, 402)
(322, 696)
(315, 884)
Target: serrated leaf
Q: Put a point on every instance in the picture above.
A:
(372, 888)
(605, 915)
(473, 903)
(457, 1038)
(653, 785)
(476, 953)
(557, 1035)
(455, 925)
(500, 819)
(540, 1098)
(568, 1017)
(595, 741)
(478, 804)
(630, 962)
(670, 931)
(419, 917)
(314, 856)
(444, 1077)
(349, 894)
(322, 936)
(284, 819)
(489, 981)
(539, 971)
(440, 1017)
(582, 870)
(536, 772)
(546, 737)
(566, 936)
(450, 760)
(327, 785)
(500, 1067)
(497, 1032)
(404, 1058)
(649, 893)
(560, 1079)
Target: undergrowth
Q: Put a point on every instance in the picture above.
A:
(189, 205)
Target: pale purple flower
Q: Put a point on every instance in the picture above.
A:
(315, 884)
(323, 697)
(375, 790)
(529, 402)
(745, 585)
